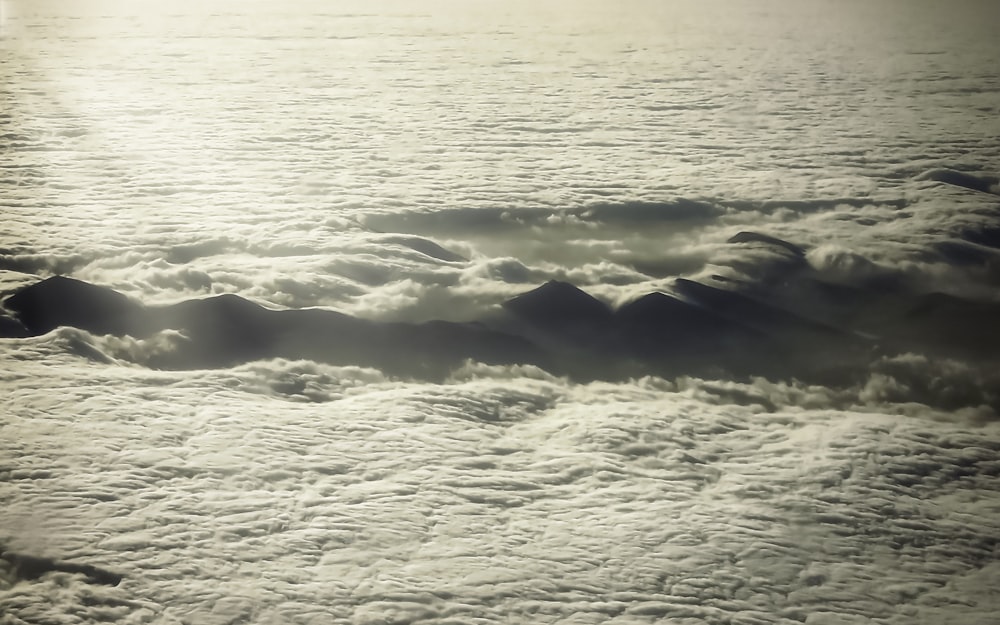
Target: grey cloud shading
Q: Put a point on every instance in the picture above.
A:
(28, 567)
(679, 211)
(33, 264)
(185, 253)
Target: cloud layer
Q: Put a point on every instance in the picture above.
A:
(824, 179)
(297, 492)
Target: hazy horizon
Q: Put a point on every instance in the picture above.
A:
(481, 312)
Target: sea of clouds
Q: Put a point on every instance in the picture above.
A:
(409, 162)
(293, 492)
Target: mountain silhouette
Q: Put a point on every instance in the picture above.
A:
(696, 330)
(61, 301)
(558, 304)
(227, 329)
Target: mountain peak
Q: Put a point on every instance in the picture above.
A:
(557, 302)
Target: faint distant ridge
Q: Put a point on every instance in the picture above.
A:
(982, 183)
(693, 329)
(766, 239)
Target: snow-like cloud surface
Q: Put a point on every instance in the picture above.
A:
(296, 492)
(430, 161)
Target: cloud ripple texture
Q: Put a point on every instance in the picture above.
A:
(443, 313)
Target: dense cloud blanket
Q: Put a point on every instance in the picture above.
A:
(439, 312)
(295, 492)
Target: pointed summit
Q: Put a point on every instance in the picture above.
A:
(558, 303)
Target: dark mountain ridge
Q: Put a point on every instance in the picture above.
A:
(697, 330)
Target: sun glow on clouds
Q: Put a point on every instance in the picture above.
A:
(406, 163)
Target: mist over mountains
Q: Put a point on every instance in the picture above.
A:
(729, 330)
(450, 312)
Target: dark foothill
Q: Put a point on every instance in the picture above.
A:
(33, 567)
